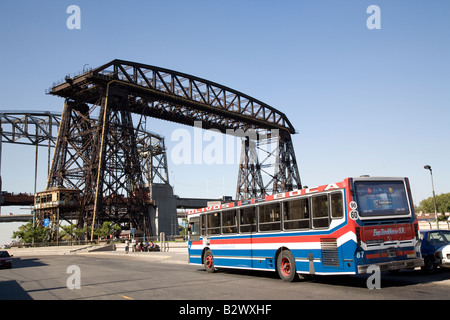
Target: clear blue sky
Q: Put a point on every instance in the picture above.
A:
(364, 101)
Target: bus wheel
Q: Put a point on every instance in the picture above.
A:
(209, 261)
(286, 266)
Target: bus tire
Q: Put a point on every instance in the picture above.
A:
(208, 261)
(286, 266)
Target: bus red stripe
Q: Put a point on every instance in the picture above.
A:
(282, 239)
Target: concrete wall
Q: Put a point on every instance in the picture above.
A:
(164, 214)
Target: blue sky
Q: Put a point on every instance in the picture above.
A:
(363, 101)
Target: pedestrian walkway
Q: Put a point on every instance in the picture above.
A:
(38, 251)
(175, 253)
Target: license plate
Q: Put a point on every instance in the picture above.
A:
(392, 253)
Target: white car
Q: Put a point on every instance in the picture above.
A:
(443, 255)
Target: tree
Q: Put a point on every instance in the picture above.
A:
(442, 204)
(27, 233)
(182, 228)
(107, 228)
(72, 232)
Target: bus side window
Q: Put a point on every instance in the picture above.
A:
(194, 229)
(337, 209)
(203, 225)
(248, 219)
(320, 211)
(269, 217)
(213, 226)
(296, 214)
(229, 221)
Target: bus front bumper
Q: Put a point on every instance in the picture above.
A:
(393, 265)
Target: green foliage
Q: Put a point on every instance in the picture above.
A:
(67, 231)
(442, 204)
(182, 228)
(27, 233)
(107, 229)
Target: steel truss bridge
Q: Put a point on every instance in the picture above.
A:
(100, 150)
(40, 128)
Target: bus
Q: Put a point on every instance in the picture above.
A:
(336, 229)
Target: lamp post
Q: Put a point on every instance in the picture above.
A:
(427, 167)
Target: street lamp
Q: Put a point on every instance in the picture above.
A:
(427, 167)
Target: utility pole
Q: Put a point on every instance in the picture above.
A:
(427, 167)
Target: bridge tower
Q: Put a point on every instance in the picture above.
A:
(267, 165)
(100, 157)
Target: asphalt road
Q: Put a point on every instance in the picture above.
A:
(124, 277)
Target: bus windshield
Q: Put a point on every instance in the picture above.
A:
(381, 198)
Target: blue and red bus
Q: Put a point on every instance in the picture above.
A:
(336, 229)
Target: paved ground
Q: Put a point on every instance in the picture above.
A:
(40, 274)
(177, 253)
(167, 276)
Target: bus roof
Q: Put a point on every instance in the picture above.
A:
(279, 196)
(289, 194)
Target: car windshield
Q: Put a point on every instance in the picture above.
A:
(438, 238)
(4, 254)
(446, 235)
(381, 198)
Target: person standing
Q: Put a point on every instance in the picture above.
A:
(127, 246)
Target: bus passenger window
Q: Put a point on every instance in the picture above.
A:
(194, 229)
(248, 220)
(213, 223)
(320, 212)
(296, 214)
(337, 209)
(269, 217)
(203, 225)
(229, 221)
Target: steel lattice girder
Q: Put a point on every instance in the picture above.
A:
(175, 96)
(101, 158)
(76, 141)
(29, 128)
(276, 153)
(186, 99)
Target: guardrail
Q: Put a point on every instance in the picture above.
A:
(428, 224)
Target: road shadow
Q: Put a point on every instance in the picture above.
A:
(21, 262)
(398, 279)
(245, 272)
(11, 290)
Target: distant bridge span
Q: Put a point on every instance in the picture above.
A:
(183, 204)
